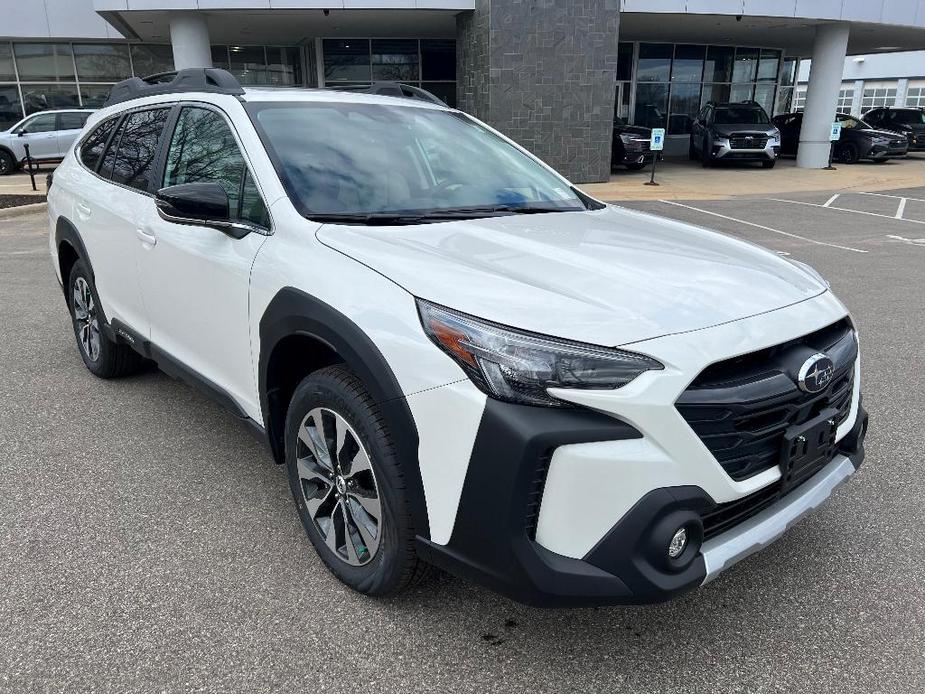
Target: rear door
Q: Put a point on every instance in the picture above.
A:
(69, 125)
(195, 279)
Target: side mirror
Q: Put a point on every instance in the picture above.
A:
(198, 204)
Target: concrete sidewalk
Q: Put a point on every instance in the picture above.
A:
(687, 180)
(19, 183)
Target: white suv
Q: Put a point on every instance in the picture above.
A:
(49, 135)
(461, 359)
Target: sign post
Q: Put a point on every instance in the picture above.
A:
(29, 166)
(834, 136)
(656, 144)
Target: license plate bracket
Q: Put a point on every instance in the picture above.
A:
(806, 448)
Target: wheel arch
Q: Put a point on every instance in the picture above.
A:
(70, 247)
(300, 334)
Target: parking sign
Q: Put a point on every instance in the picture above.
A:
(836, 132)
(657, 140)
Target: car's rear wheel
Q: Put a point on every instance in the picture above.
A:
(102, 356)
(348, 485)
(769, 164)
(7, 163)
(849, 154)
(691, 150)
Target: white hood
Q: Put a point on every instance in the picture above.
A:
(609, 277)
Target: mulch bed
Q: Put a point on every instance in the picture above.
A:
(17, 200)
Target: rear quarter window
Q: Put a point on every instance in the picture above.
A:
(91, 150)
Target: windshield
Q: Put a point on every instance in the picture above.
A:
(909, 117)
(362, 160)
(740, 116)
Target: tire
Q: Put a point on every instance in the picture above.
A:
(879, 161)
(103, 357)
(7, 163)
(377, 557)
(706, 155)
(636, 166)
(769, 164)
(691, 150)
(849, 154)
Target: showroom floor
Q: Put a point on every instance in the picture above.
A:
(148, 543)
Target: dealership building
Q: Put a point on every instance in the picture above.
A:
(552, 74)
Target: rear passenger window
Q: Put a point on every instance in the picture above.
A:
(92, 148)
(72, 121)
(203, 150)
(140, 134)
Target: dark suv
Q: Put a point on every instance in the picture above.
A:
(908, 121)
(630, 145)
(858, 139)
(734, 132)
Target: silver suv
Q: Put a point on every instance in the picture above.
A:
(734, 132)
(49, 135)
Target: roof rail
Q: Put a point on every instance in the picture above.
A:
(198, 79)
(385, 88)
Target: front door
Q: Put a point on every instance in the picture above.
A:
(195, 279)
(39, 132)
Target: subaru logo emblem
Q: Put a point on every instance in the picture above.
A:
(815, 374)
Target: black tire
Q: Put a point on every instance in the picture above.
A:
(636, 166)
(7, 163)
(849, 154)
(769, 164)
(880, 161)
(706, 155)
(109, 359)
(395, 566)
(691, 150)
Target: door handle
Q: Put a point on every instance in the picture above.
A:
(83, 210)
(145, 237)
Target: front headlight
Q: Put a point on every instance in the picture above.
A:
(628, 138)
(518, 366)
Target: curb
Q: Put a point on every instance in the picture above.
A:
(22, 210)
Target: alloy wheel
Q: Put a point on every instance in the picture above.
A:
(85, 319)
(339, 486)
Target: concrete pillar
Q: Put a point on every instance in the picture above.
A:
(189, 38)
(544, 74)
(825, 75)
(856, 103)
(902, 88)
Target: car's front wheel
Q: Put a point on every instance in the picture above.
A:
(849, 154)
(348, 485)
(7, 163)
(636, 165)
(102, 356)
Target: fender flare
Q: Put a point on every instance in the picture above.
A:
(66, 231)
(294, 312)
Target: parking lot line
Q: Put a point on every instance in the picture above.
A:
(884, 195)
(831, 200)
(845, 209)
(901, 208)
(761, 226)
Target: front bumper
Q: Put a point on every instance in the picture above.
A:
(722, 150)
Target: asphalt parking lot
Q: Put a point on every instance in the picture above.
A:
(148, 543)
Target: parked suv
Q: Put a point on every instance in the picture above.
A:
(858, 140)
(908, 121)
(461, 358)
(734, 132)
(630, 145)
(49, 135)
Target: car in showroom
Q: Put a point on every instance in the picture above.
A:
(630, 146)
(49, 135)
(461, 359)
(858, 140)
(908, 121)
(734, 132)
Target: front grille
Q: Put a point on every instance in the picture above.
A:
(636, 146)
(741, 408)
(748, 141)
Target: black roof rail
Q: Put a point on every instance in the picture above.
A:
(198, 79)
(385, 88)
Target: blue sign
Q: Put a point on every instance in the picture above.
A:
(836, 132)
(657, 140)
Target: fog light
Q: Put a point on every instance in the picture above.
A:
(678, 543)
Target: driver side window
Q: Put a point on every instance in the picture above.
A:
(203, 150)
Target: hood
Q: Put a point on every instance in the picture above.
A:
(607, 277)
(876, 132)
(723, 129)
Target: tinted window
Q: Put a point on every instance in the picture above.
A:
(908, 117)
(138, 147)
(92, 148)
(203, 150)
(72, 121)
(44, 123)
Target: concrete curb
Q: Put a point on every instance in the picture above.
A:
(22, 210)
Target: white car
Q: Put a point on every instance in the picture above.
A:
(49, 135)
(461, 358)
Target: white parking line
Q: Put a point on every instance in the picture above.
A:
(831, 200)
(901, 208)
(845, 209)
(903, 239)
(884, 195)
(761, 226)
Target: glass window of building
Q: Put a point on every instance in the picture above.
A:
(768, 65)
(395, 60)
(845, 99)
(764, 95)
(742, 92)
(248, 64)
(346, 60)
(10, 107)
(688, 63)
(915, 97)
(718, 66)
(715, 92)
(7, 74)
(876, 97)
(784, 101)
(102, 62)
(151, 59)
(651, 105)
(799, 98)
(685, 104)
(220, 57)
(44, 62)
(654, 64)
(94, 95)
(624, 62)
(284, 66)
(41, 97)
(438, 59)
(745, 67)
